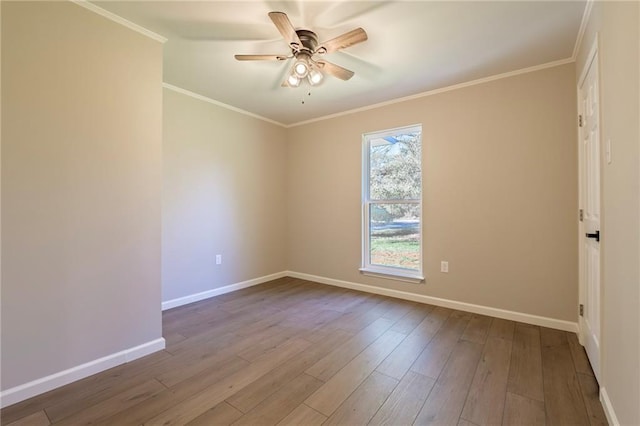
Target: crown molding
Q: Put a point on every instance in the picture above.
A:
(113, 17)
(120, 20)
(441, 90)
(583, 25)
(220, 104)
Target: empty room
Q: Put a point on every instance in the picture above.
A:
(320, 212)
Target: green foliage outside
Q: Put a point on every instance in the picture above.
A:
(397, 251)
(395, 174)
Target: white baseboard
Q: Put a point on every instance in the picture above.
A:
(174, 303)
(45, 384)
(608, 408)
(447, 303)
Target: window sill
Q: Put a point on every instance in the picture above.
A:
(397, 276)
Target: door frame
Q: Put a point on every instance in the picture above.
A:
(592, 57)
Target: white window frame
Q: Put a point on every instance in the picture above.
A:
(396, 273)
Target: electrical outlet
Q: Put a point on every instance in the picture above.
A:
(218, 259)
(444, 266)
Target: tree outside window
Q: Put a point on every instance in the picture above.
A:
(392, 198)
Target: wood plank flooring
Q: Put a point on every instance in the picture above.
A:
(293, 352)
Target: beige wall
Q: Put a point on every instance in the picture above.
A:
(617, 26)
(500, 193)
(81, 184)
(223, 193)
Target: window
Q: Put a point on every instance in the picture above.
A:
(392, 203)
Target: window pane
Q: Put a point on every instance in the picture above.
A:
(394, 231)
(394, 167)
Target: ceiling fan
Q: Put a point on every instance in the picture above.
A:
(304, 48)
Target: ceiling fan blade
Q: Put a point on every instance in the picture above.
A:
(282, 23)
(345, 40)
(335, 70)
(261, 57)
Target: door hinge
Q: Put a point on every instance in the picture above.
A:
(581, 215)
(580, 120)
(581, 310)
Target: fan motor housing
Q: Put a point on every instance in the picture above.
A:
(309, 39)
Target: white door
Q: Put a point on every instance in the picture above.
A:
(589, 132)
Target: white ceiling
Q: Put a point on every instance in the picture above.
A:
(413, 47)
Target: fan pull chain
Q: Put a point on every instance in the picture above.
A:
(308, 94)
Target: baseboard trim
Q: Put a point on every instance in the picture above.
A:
(608, 408)
(174, 303)
(45, 384)
(447, 303)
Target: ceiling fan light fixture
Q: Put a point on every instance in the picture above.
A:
(301, 67)
(293, 80)
(315, 77)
